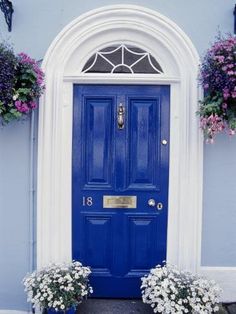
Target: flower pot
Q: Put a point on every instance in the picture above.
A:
(69, 311)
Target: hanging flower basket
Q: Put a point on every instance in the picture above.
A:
(21, 84)
(218, 79)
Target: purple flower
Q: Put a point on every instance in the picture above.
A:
(18, 104)
(226, 93)
(218, 79)
(22, 107)
(7, 74)
(212, 125)
(233, 94)
(33, 105)
(21, 83)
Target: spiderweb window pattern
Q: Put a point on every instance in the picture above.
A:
(122, 59)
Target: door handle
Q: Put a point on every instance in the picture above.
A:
(121, 116)
(151, 202)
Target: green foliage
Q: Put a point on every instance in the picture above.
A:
(211, 105)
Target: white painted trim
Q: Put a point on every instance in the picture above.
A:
(62, 64)
(122, 79)
(225, 277)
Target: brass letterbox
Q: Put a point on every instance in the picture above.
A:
(115, 201)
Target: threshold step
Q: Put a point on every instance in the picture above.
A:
(113, 306)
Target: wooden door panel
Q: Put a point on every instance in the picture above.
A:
(98, 142)
(119, 243)
(143, 143)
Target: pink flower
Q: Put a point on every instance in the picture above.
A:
(210, 141)
(33, 105)
(220, 58)
(21, 107)
(26, 59)
(24, 108)
(211, 126)
(231, 132)
(226, 93)
(18, 105)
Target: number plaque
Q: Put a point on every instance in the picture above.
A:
(111, 201)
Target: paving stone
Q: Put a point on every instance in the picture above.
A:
(231, 308)
(110, 306)
(222, 310)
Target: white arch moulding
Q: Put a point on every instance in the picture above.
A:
(63, 63)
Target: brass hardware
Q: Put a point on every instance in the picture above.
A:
(151, 202)
(111, 201)
(120, 116)
(159, 206)
(164, 142)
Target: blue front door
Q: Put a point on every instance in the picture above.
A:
(120, 183)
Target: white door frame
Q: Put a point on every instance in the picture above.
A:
(63, 65)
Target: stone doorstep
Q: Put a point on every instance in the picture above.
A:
(229, 308)
(112, 306)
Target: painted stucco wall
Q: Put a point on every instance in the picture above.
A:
(35, 24)
(14, 213)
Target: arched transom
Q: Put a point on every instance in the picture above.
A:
(122, 59)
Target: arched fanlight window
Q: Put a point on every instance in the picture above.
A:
(122, 59)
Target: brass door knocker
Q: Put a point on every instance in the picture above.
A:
(120, 117)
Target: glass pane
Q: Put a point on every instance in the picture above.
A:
(89, 62)
(115, 57)
(122, 69)
(100, 66)
(130, 58)
(156, 64)
(122, 59)
(143, 66)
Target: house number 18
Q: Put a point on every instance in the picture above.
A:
(87, 201)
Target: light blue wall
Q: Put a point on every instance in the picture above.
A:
(35, 25)
(14, 213)
(219, 214)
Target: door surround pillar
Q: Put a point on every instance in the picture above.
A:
(63, 63)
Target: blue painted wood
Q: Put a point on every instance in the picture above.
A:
(97, 160)
(120, 245)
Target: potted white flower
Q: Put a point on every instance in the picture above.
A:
(58, 288)
(169, 290)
